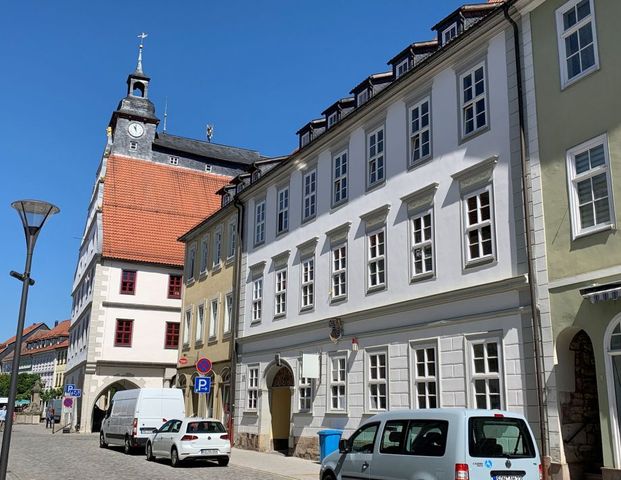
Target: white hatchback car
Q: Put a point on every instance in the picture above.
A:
(190, 439)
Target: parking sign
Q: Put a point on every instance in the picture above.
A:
(202, 384)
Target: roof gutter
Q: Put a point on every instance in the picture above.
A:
(535, 314)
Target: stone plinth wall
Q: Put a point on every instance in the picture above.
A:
(306, 447)
(27, 418)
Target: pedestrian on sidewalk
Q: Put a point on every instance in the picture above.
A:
(49, 417)
(2, 417)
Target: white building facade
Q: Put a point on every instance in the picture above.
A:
(384, 263)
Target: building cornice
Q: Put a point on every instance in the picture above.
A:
(141, 306)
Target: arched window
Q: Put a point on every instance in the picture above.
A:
(138, 89)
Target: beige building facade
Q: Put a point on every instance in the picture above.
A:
(207, 312)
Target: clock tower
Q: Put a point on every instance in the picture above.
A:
(133, 123)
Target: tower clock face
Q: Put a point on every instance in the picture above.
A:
(135, 129)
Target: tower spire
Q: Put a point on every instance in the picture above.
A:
(142, 36)
(165, 113)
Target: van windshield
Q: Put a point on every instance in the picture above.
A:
(205, 427)
(499, 437)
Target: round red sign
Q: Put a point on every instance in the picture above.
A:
(68, 402)
(203, 365)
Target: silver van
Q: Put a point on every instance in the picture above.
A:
(437, 444)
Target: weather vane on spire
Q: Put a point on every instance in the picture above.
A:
(142, 36)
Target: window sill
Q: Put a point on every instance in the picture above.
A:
(337, 412)
(229, 260)
(212, 340)
(226, 336)
(279, 316)
(480, 261)
(307, 309)
(199, 344)
(422, 277)
(190, 282)
(339, 204)
(338, 300)
(372, 187)
(376, 288)
(413, 165)
(185, 347)
(216, 268)
(568, 83)
(305, 412)
(474, 134)
(602, 228)
(308, 219)
(282, 233)
(255, 322)
(251, 412)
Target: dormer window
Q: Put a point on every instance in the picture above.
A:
(332, 119)
(362, 97)
(208, 168)
(305, 139)
(256, 175)
(402, 67)
(226, 199)
(173, 160)
(240, 187)
(449, 34)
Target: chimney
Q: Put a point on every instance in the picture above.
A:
(56, 323)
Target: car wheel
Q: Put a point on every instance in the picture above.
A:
(127, 447)
(174, 458)
(328, 476)
(223, 462)
(150, 456)
(102, 440)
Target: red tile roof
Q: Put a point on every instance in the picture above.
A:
(148, 205)
(25, 332)
(60, 330)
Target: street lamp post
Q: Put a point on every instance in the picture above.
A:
(33, 214)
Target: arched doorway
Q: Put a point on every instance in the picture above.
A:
(579, 408)
(612, 347)
(280, 390)
(103, 401)
(225, 388)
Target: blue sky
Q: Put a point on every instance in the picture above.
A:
(257, 70)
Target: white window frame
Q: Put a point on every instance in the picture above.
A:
(307, 283)
(305, 390)
(228, 312)
(332, 119)
(575, 178)
(422, 244)
(487, 375)
(187, 326)
(204, 260)
(336, 384)
(282, 215)
(376, 258)
(428, 377)
(479, 226)
(259, 223)
(309, 195)
(213, 318)
(257, 299)
(338, 276)
(217, 248)
(371, 382)
(340, 173)
(562, 35)
(472, 102)
(402, 67)
(191, 263)
(253, 388)
(133, 145)
(280, 292)
(232, 239)
(362, 97)
(173, 160)
(417, 131)
(200, 323)
(449, 33)
(376, 156)
(305, 139)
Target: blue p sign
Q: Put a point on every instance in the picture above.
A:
(202, 384)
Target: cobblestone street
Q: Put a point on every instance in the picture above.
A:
(36, 454)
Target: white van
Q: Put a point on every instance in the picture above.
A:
(134, 414)
(438, 444)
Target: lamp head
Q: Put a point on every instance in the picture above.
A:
(33, 214)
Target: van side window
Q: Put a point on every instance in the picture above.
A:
(426, 437)
(362, 441)
(393, 436)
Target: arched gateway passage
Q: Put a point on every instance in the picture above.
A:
(102, 402)
(280, 391)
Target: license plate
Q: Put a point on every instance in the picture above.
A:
(508, 477)
(210, 451)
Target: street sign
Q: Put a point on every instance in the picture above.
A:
(203, 366)
(68, 402)
(202, 385)
(71, 391)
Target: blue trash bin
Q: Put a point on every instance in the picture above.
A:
(328, 442)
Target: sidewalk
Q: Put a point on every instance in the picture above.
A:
(288, 467)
